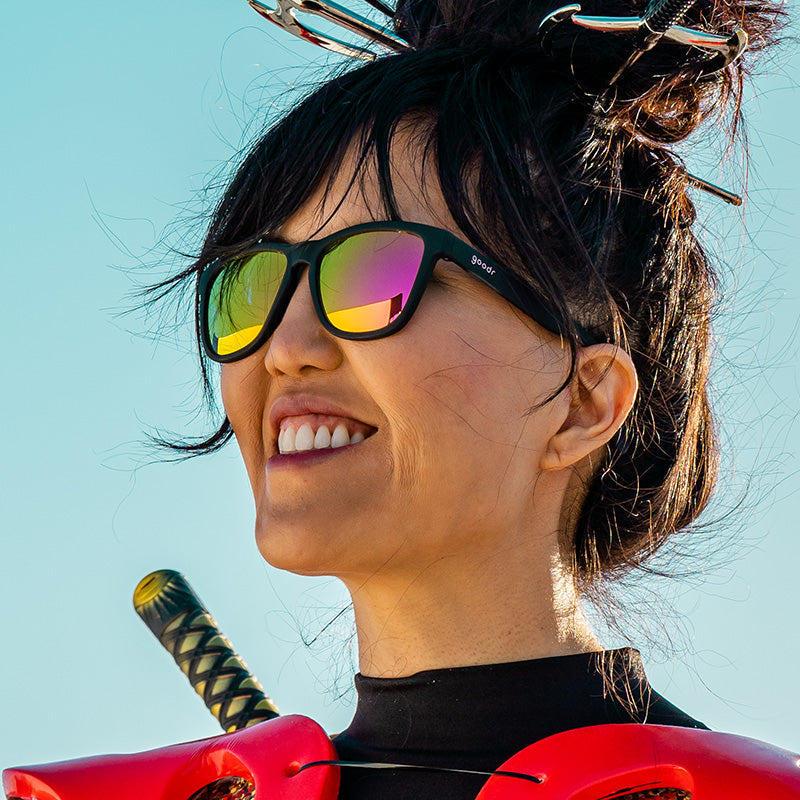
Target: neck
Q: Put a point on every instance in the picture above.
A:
(465, 611)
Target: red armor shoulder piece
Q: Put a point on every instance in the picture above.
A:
(268, 756)
(626, 762)
(636, 761)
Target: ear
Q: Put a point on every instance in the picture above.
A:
(603, 391)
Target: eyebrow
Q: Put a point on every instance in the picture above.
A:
(316, 235)
(274, 237)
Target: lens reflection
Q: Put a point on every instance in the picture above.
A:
(365, 279)
(241, 298)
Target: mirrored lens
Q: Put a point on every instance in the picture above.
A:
(365, 279)
(241, 298)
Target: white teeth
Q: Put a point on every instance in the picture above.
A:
(323, 438)
(286, 441)
(340, 436)
(304, 438)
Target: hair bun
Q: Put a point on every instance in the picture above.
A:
(464, 23)
(662, 97)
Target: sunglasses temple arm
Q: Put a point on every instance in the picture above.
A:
(507, 285)
(527, 300)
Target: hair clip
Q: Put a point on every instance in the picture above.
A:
(656, 24)
(285, 15)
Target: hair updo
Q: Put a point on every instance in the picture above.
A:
(570, 183)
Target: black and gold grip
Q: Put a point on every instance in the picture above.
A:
(174, 613)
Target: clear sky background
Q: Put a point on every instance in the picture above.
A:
(115, 118)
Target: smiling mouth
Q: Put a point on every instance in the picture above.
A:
(297, 436)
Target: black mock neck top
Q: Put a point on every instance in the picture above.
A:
(478, 717)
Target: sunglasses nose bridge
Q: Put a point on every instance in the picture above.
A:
(299, 262)
(299, 259)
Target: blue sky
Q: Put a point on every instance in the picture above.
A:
(115, 119)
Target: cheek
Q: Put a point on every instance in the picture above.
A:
(486, 386)
(244, 396)
(466, 402)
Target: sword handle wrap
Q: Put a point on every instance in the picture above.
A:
(175, 614)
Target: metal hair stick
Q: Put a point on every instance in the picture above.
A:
(657, 24)
(717, 191)
(285, 15)
(378, 5)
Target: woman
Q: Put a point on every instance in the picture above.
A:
(463, 322)
(485, 456)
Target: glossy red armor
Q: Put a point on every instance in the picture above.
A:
(596, 763)
(268, 755)
(607, 761)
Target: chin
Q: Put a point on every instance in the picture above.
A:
(327, 545)
(291, 550)
(303, 543)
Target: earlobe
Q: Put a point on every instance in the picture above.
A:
(603, 391)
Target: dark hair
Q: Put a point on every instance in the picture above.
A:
(571, 184)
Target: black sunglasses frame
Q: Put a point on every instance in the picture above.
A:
(439, 245)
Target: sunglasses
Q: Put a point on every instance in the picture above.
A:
(366, 282)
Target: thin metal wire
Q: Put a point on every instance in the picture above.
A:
(381, 765)
(713, 189)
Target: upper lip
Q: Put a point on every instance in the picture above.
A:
(297, 405)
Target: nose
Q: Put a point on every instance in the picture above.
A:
(300, 343)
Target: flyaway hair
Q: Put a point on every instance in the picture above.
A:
(569, 180)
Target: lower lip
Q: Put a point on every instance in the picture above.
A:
(306, 457)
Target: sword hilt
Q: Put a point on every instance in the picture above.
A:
(179, 620)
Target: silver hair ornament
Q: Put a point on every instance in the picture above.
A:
(657, 24)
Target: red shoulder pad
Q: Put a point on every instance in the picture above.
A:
(267, 755)
(635, 761)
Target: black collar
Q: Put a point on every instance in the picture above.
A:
(482, 715)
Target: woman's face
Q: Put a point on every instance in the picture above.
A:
(449, 407)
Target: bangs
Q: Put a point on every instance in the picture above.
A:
(467, 120)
